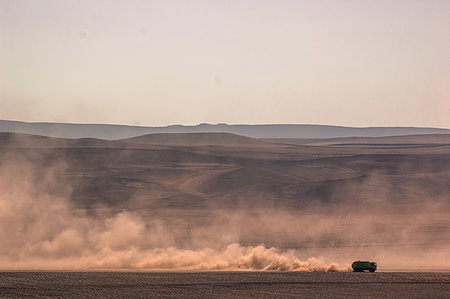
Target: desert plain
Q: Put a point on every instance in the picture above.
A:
(219, 201)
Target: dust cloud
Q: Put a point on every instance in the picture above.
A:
(41, 229)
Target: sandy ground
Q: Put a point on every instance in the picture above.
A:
(224, 285)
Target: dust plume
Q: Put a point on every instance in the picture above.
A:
(42, 228)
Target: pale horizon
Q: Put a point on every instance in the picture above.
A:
(215, 124)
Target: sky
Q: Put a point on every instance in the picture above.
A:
(347, 62)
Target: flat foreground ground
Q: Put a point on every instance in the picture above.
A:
(224, 285)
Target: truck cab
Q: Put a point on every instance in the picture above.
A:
(360, 266)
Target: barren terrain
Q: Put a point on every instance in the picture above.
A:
(338, 200)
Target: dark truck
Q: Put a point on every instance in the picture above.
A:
(360, 266)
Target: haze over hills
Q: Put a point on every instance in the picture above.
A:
(94, 203)
(112, 132)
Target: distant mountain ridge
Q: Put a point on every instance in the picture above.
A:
(112, 132)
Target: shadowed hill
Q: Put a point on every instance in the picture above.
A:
(200, 139)
(20, 140)
(161, 140)
(203, 169)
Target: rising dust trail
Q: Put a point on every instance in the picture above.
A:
(40, 231)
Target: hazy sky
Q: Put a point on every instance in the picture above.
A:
(358, 63)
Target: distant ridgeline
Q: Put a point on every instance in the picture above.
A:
(271, 131)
